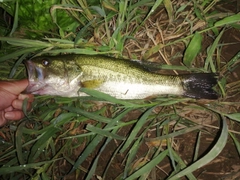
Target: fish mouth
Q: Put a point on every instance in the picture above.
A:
(35, 77)
(30, 70)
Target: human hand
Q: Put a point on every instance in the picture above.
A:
(11, 100)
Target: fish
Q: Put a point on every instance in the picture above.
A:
(65, 75)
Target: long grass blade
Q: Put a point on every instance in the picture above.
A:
(149, 166)
(228, 20)
(8, 170)
(193, 49)
(136, 129)
(213, 153)
(209, 60)
(15, 21)
(95, 141)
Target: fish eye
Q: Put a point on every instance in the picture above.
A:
(78, 68)
(45, 62)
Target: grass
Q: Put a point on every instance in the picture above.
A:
(82, 138)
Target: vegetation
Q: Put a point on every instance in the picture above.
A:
(85, 137)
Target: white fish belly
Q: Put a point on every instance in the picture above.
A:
(123, 90)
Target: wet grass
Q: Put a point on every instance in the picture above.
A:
(71, 137)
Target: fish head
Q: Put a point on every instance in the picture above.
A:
(52, 76)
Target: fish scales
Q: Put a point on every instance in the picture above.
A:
(120, 70)
(127, 79)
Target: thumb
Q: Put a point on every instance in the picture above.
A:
(14, 87)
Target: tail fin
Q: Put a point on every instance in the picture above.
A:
(200, 85)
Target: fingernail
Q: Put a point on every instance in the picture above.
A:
(30, 97)
(9, 115)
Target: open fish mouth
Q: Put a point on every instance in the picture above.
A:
(35, 77)
(34, 72)
(30, 70)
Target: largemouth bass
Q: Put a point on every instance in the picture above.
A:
(124, 79)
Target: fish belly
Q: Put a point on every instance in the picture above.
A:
(127, 90)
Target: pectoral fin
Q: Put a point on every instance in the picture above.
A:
(92, 84)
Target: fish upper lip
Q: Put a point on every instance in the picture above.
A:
(30, 70)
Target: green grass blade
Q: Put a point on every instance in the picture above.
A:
(234, 116)
(170, 154)
(95, 163)
(8, 170)
(196, 152)
(176, 133)
(149, 166)
(14, 68)
(15, 54)
(136, 129)
(26, 42)
(15, 21)
(181, 165)
(131, 155)
(228, 20)
(79, 51)
(42, 143)
(193, 49)
(64, 118)
(47, 135)
(154, 7)
(104, 133)
(88, 150)
(110, 162)
(213, 153)
(209, 60)
(119, 125)
(109, 5)
(88, 114)
(137, 4)
(18, 143)
(236, 142)
(180, 68)
(95, 141)
(92, 170)
(169, 8)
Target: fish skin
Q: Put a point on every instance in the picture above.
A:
(124, 79)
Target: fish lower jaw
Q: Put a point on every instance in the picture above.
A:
(41, 88)
(54, 92)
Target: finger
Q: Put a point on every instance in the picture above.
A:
(3, 120)
(18, 104)
(6, 98)
(30, 97)
(14, 115)
(15, 87)
(10, 108)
